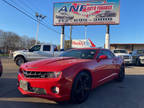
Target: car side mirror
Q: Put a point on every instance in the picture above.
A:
(102, 57)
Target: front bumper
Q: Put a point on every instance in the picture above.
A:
(128, 61)
(44, 88)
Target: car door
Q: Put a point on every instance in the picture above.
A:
(33, 53)
(100, 68)
(105, 67)
(112, 62)
(134, 56)
(46, 52)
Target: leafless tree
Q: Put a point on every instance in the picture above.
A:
(12, 41)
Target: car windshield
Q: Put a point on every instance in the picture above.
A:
(140, 51)
(82, 53)
(120, 51)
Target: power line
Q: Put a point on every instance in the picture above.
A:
(29, 16)
(26, 4)
(39, 9)
(20, 6)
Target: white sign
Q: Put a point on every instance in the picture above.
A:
(82, 44)
(97, 12)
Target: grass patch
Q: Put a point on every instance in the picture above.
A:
(5, 55)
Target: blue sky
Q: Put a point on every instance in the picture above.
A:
(130, 30)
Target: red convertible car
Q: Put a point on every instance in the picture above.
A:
(70, 76)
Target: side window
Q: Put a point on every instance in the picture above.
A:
(99, 54)
(134, 52)
(55, 49)
(111, 54)
(36, 48)
(46, 48)
(108, 54)
(105, 52)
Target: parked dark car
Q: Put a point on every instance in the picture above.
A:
(1, 69)
(138, 57)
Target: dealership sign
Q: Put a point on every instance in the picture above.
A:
(97, 12)
(82, 43)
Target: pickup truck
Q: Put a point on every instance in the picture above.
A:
(40, 51)
(124, 54)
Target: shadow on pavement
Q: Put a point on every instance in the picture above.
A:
(127, 94)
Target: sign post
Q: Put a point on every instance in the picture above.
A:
(96, 12)
(62, 41)
(70, 36)
(107, 37)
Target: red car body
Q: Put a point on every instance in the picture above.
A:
(101, 69)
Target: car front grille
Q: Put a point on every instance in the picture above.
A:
(125, 57)
(33, 74)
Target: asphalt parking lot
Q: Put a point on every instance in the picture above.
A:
(128, 94)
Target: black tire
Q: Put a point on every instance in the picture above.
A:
(0, 74)
(19, 60)
(138, 62)
(121, 74)
(81, 88)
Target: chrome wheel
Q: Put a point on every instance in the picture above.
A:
(19, 61)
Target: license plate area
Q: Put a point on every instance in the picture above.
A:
(24, 85)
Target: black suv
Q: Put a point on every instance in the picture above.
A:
(138, 57)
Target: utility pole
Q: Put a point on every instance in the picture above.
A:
(39, 17)
(107, 37)
(70, 36)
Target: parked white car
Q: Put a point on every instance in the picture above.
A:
(40, 51)
(124, 54)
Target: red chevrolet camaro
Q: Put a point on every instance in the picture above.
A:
(70, 76)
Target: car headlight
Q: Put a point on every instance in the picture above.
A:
(14, 53)
(141, 57)
(53, 74)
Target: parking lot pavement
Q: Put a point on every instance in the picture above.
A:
(128, 94)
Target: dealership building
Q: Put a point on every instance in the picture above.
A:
(128, 46)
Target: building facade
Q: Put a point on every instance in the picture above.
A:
(128, 46)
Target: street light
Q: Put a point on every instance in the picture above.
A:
(39, 17)
(85, 32)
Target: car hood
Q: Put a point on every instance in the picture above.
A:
(53, 64)
(140, 54)
(20, 51)
(122, 54)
